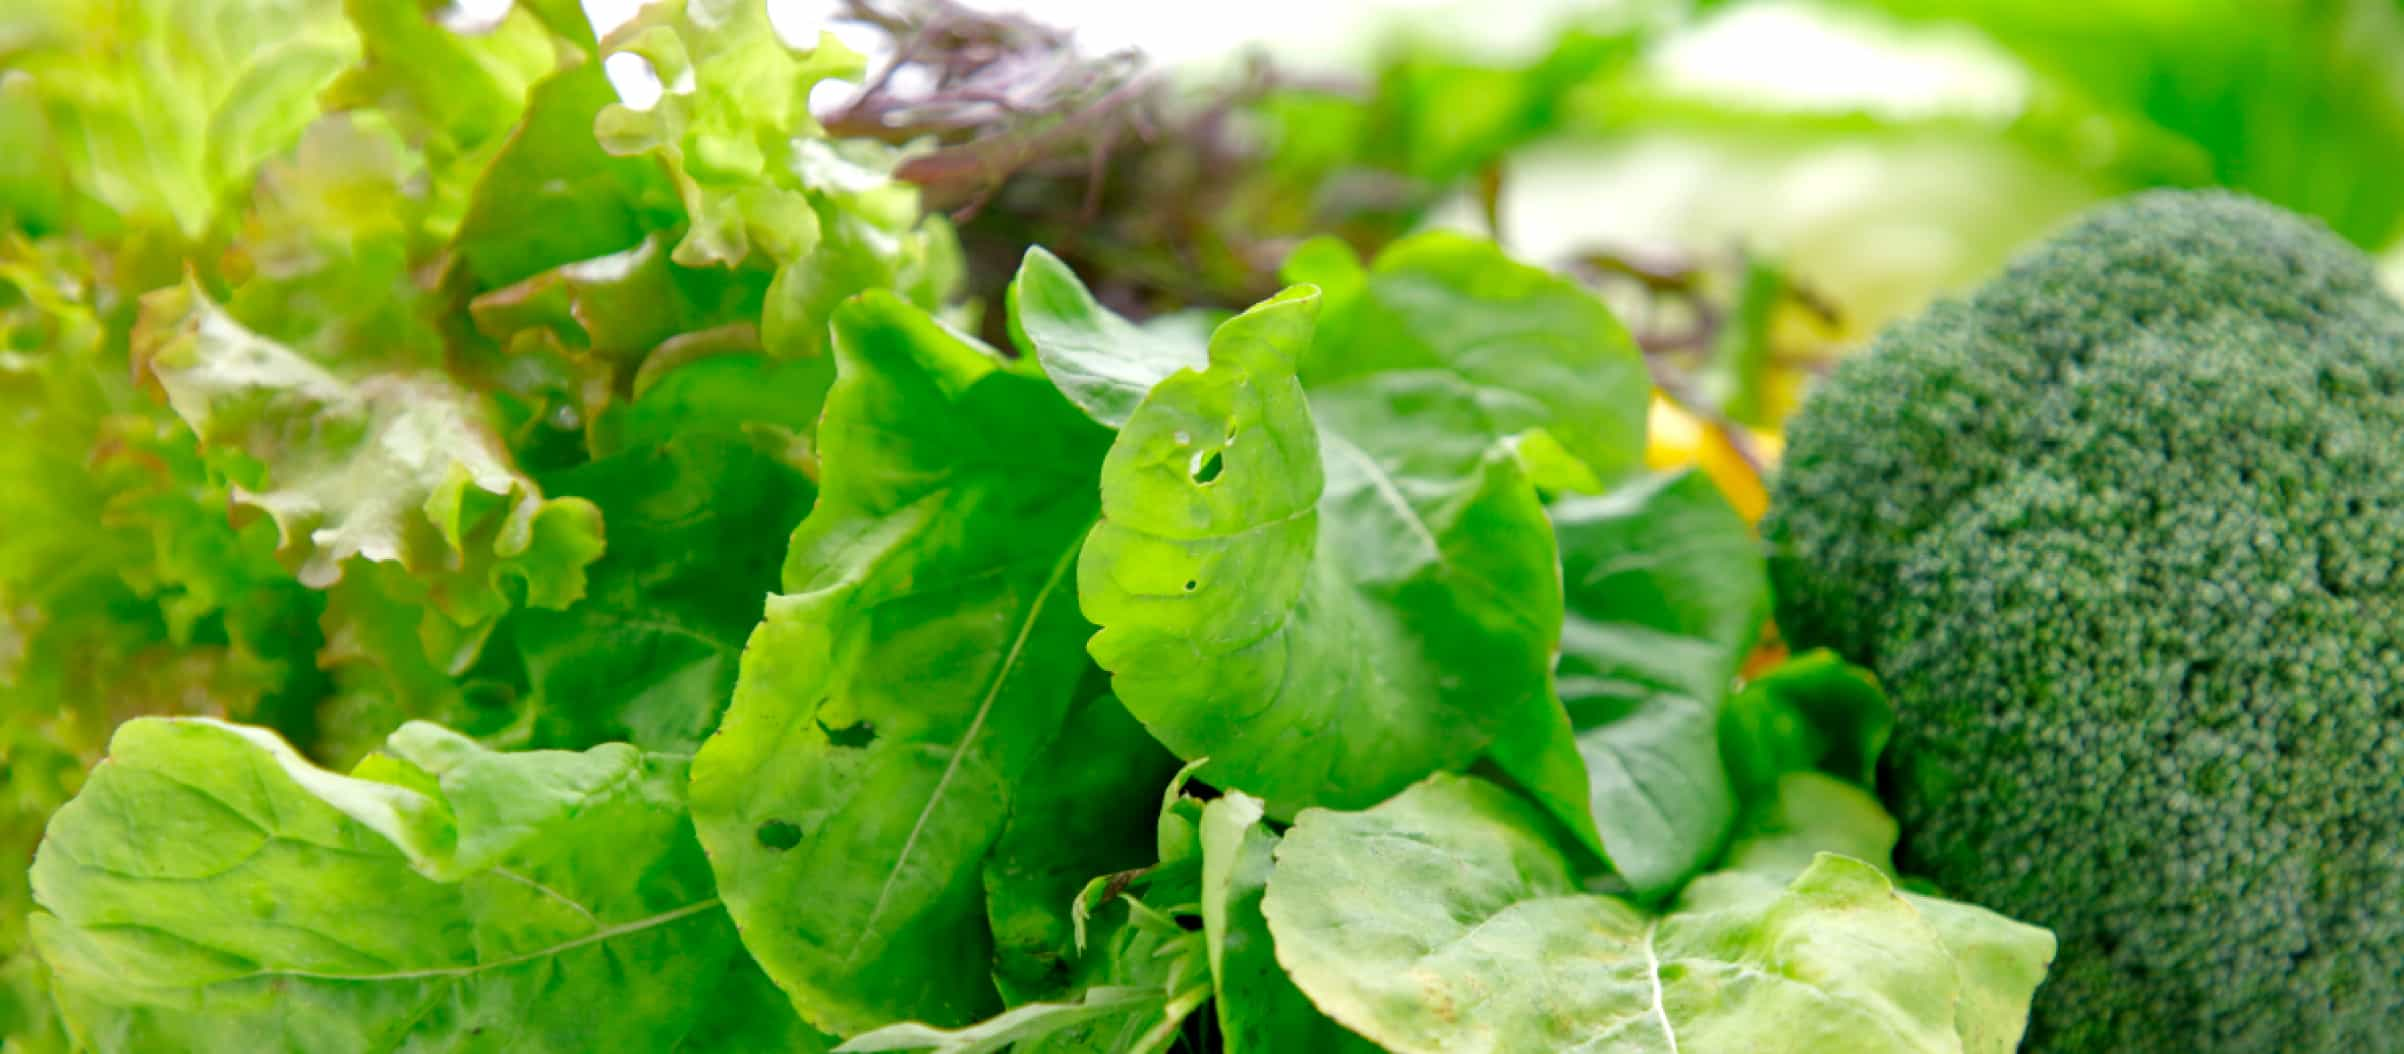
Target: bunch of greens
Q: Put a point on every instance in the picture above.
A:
(405, 430)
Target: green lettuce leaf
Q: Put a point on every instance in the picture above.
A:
(1259, 1009)
(1092, 814)
(162, 109)
(1666, 592)
(210, 890)
(1447, 920)
(1535, 350)
(391, 468)
(1813, 712)
(922, 657)
(1326, 596)
(697, 529)
(1100, 360)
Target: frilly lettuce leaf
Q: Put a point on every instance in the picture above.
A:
(210, 890)
(392, 468)
(162, 109)
(1448, 920)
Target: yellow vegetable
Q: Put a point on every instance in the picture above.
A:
(1677, 439)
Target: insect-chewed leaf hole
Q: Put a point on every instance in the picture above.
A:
(779, 835)
(1207, 465)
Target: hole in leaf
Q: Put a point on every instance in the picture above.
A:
(779, 835)
(852, 736)
(1192, 584)
(1207, 467)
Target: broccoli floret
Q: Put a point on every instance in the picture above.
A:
(2124, 536)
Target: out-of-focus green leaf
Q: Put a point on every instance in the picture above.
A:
(2301, 104)
(552, 196)
(209, 890)
(162, 109)
(921, 659)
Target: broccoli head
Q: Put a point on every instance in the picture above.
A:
(2123, 534)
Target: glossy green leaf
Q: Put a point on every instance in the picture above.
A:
(1329, 596)
(1445, 920)
(1100, 360)
(209, 890)
(923, 655)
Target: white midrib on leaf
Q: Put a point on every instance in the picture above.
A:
(563, 947)
(1652, 973)
(976, 727)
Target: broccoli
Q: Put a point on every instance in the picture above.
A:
(2123, 534)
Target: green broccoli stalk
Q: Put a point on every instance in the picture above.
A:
(2123, 534)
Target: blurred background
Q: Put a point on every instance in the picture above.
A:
(1757, 186)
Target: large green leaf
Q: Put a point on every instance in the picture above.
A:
(1329, 596)
(1445, 920)
(923, 655)
(209, 890)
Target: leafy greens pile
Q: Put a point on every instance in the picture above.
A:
(407, 429)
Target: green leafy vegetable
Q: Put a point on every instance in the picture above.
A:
(922, 658)
(211, 890)
(1447, 920)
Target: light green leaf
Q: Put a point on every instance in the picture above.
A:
(1326, 597)
(735, 103)
(393, 468)
(162, 109)
(1259, 1008)
(1102, 362)
(922, 657)
(1034, 1021)
(1444, 920)
(210, 890)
